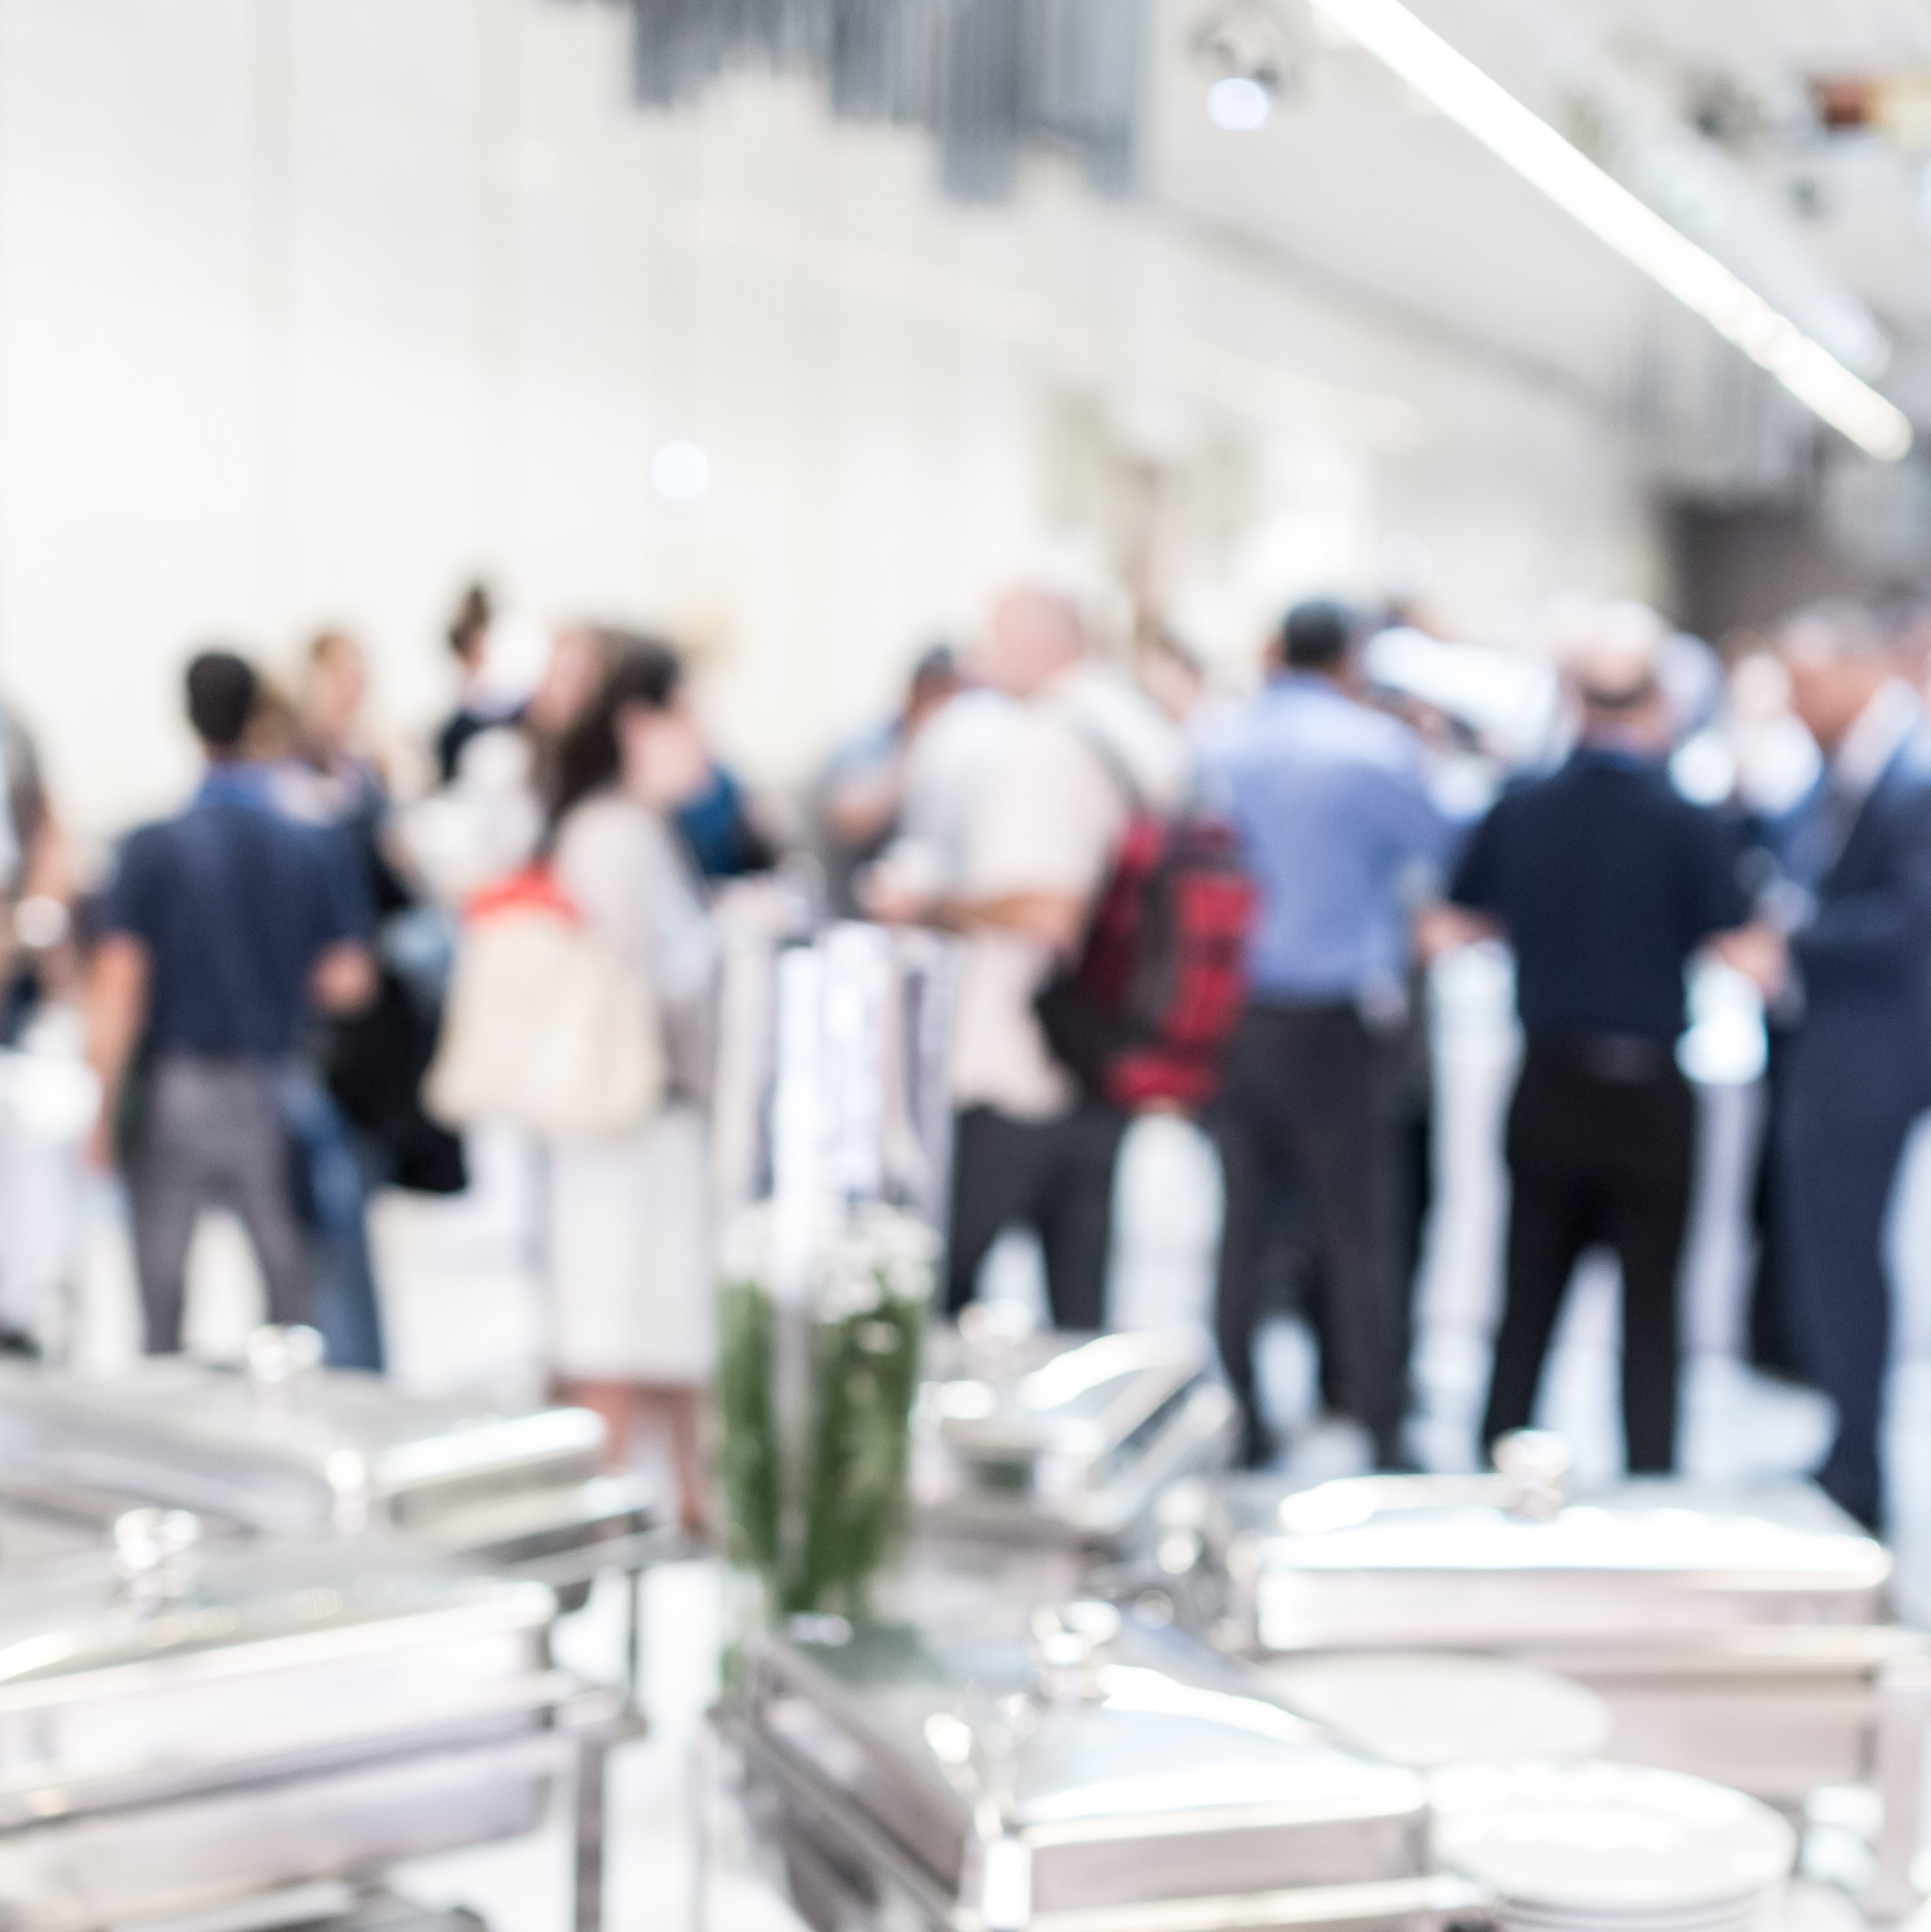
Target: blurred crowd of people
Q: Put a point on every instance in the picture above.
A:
(1165, 898)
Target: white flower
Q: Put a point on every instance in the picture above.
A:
(746, 1252)
(873, 1254)
(845, 1291)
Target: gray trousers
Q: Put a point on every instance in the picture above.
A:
(212, 1134)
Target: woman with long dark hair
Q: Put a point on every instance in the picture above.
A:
(629, 1216)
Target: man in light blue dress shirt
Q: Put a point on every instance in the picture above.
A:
(1328, 799)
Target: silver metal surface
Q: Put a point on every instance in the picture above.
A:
(999, 1398)
(1445, 1561)
(282, 1445)
(161, 1669)
(529, 1525)
(78, 1873)
(844, 1872)
(32, 1532)
(326, 1905)
(1111, 1767)
(1741, 1635)
(184, 1725)
(1057, 1437)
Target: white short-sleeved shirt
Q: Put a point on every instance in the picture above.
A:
(951, 760)
(1048, 821)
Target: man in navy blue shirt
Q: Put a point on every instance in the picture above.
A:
(1605, 881)
(223, 929)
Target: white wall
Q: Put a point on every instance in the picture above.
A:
(310, 308)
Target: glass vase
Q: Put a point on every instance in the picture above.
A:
(832, 1135)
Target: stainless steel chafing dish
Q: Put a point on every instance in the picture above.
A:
(1036, 1461)
(182, 1725)
(1111, 1778)
(1742, 1635)
(285, 1446)
(1061, 1438)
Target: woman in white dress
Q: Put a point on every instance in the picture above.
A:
(630, 1216)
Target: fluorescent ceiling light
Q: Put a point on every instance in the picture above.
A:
(1536, 152)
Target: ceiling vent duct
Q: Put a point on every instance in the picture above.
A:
(991, 79)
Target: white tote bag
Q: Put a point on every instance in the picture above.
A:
(545, 1028)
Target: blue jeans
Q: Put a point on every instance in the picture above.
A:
(337, 1171)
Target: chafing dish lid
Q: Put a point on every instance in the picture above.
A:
(164, 1671)
(995, 1398)
(30, 1536)
(157, 1597)
(1778, 1534)
(530, 1522)
(1146, 1736)
(181, 1431)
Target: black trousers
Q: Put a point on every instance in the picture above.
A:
(1774, 1346)
(1053, 1176)
(1309, 1092)
(1597, 1156)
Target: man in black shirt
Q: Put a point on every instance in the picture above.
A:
(1606, 882)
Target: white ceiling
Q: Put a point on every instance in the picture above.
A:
(1355, 176)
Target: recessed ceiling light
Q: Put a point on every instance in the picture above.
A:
(680, 472)
(1240, 103)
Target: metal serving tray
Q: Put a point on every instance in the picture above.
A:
(182, 1726)
(174, 1857)
(163, 1668)
(1490, 1563)
(282, 1445)
(1115, 1775)
(1066, 1437)
(1740, 1634)
(33, 1529)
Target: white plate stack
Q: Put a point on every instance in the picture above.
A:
(1614, 1848)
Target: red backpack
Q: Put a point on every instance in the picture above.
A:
(1143, 1015)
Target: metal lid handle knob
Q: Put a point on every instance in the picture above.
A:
(277, 1356)
(153, 1550)
(1535, 1464)
(1069, 1641)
